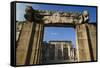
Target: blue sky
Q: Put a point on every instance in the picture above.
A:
(56, 33)
(60, 33)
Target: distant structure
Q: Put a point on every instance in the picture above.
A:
(29, 42)
(58, 51)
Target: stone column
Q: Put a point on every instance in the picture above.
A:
(91, 28)
(23, 43)
(82, 45)
(36, 44)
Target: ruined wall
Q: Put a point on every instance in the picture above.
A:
(28, 49)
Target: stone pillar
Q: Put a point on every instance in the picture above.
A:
(91, 29)
(23, 43)
(35, 55)
(69, 47)
(82, 46)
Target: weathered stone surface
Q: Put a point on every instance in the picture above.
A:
(23, 43)
(36, 44)
(82, 43)
(56, 17)
(93, 40)
(86, 46)
(18, 29)
(29, 16)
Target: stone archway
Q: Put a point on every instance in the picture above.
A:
(28, 50)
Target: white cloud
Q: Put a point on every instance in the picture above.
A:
(54, 33)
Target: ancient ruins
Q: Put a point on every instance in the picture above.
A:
(30, 34)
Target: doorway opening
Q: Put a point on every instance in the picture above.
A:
(59, 44)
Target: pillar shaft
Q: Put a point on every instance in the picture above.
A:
(82, 45)
(91, 30)
(23, 43)
(36, 44)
